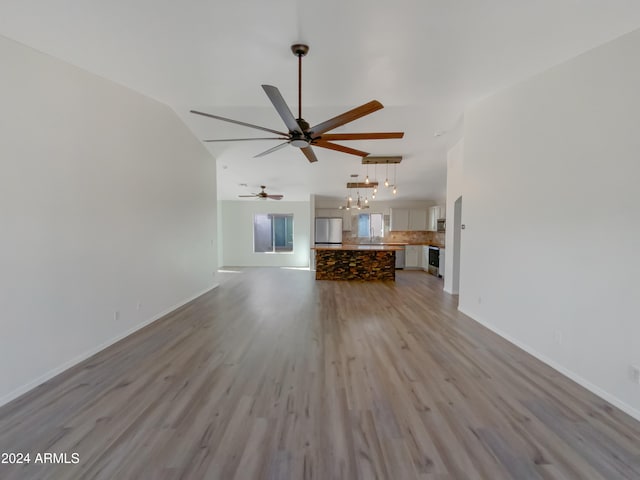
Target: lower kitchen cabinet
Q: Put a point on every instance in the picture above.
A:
(412, 256)
(425, 258)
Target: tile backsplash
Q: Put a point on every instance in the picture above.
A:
(410, 237)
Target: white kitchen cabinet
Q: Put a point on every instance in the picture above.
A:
(425, 258)
(412, 256)
(435, 213)
(408, 219)
(399, 219)
(417, 219)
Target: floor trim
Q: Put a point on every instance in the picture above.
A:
(83, 356)
(628, 409)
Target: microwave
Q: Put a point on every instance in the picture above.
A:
(440, 225)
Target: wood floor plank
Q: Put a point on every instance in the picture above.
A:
(274, 375)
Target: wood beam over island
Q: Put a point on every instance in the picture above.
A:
(356, 262)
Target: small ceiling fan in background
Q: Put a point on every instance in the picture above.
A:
(262, 195)
(300, 133)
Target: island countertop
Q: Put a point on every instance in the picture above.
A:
(358, 248)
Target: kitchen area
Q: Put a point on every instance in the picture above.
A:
(411, 237)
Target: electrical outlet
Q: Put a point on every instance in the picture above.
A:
(116, 315)
(138, 305)
(558, 337)
(635, 373)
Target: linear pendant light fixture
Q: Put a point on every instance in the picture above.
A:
(375, 160)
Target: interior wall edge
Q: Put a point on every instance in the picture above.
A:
(92, 351)
(603, 394)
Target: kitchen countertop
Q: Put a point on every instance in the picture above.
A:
(384, 246)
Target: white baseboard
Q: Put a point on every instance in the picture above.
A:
(83, 356)
(556, 366)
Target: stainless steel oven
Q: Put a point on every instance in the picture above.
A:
(434, 260)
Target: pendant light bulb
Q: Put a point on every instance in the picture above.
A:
(366, 180)
(395, 190)
(373, 196)
(386, 182)
(366, 200)
(375, 190)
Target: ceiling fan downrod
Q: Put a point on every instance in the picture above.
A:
(300, 50)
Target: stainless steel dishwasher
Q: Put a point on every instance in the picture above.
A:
(400, 259)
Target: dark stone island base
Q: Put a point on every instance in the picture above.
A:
(355, 264)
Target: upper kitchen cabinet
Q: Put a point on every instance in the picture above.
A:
(408, 219)
(435, 213)
(399, 219)
(418, 219)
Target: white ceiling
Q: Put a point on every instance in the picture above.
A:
(424, 60)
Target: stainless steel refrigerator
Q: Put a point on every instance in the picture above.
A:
(328, 230)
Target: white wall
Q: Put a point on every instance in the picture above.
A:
(455, 188)
(552, 211)
(106, 200)
(237, 234)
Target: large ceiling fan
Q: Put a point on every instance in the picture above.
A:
(300, 133)
(262, 195)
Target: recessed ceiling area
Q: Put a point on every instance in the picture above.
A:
(425, 61)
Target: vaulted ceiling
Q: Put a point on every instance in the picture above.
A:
(424, 60)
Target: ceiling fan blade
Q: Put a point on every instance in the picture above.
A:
(237, 122)
(244, 139)
(362, 136)
(340, 148)
(247, 196)
(275, 197)
(346, 117)
(273, 149)
(281, 107)
(310, 154)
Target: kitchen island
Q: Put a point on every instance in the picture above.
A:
(356, 262)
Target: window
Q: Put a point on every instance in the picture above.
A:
(370, 225)
(272, 232)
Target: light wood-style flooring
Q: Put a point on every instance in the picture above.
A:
(274, 375)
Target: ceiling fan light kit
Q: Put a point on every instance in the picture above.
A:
(299, 132)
